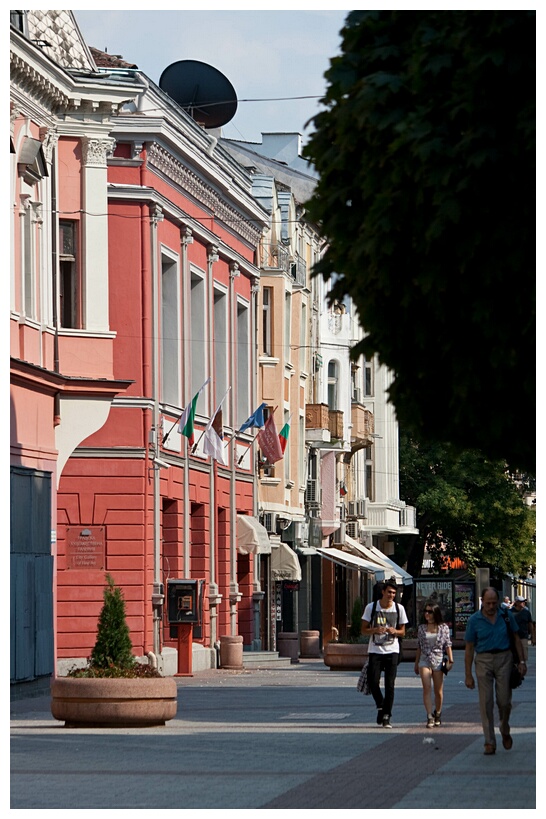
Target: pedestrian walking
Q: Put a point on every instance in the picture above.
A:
(526, 627)
(488, 645)
(384, 621)
(433, 642)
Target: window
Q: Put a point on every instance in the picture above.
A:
(267, 320)
(368, 378)
(332, 385)
(303, 338)
(29, 261)
(220, 347)
(69, 284)
(370, 488)
(170, 332)
(199, 368)
(287, 323)
(243, 363)
(301, 452)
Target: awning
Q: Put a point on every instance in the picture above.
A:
(284, 563)
(252, 537)
(391, 569)
(349, 561)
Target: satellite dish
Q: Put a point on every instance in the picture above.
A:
(201, 90)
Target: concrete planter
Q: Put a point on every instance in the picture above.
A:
(95, 702)
(345, 656)
(231, 652)
(409, 649)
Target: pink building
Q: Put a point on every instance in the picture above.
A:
(133, 285)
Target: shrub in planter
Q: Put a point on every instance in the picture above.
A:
(112, 655)
(113, 690)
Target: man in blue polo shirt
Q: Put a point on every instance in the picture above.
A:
(488, 644)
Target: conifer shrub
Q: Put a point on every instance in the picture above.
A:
(112, 654)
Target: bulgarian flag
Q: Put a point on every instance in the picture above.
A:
(283, 436)
(185, 425)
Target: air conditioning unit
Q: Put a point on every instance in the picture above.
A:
(339, 535)
(342, 512)
(301, 531)
(352, 529)
(361, 509)
(270, 522)
(351, 509)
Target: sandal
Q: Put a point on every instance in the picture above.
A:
(488, 749)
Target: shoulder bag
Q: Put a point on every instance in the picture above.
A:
(516, 677)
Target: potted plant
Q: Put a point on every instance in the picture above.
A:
(113, 690)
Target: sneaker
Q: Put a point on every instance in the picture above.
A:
(437, 718)
(380, 716)
(387, 722)
(430, 721)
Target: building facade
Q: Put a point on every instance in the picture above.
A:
(62, 380)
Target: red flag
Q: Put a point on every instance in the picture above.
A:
(268, 441)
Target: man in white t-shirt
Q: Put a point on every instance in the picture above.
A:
(384, 621)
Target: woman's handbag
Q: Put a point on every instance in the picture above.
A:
(362, 685)
(445, 662)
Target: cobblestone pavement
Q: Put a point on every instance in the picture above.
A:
(291, 738)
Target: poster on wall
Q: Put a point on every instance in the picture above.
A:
(465, 604)
(438, 592)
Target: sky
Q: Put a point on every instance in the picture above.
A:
(266, 55)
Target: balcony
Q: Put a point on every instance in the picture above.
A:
(317, 429)
(363, 425)
(298, 271)
(392, 517)
(274, 257)
(335, 424)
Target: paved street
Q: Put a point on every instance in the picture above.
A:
(298, 737)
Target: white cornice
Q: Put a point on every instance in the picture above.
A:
(50, 87)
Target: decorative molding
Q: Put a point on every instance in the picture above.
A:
(35, 85)
(96, 150)
(203, 193)
(50, 139)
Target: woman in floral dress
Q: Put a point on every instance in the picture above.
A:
(433, 641)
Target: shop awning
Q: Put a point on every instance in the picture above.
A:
(252, 537)
(284, 563)
(391, 569)
(350, 561)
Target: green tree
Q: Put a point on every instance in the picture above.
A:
(467, 506)
(426, 196)
(113, 645)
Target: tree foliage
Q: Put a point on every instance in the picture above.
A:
(426, 196)
(113, 645)
(467, 507)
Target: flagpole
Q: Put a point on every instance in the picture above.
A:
(171, 429)
(196, 444)
(246, 450)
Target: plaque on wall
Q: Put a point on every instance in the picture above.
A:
(85, 547)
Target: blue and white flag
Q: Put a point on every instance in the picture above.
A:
(256, 419)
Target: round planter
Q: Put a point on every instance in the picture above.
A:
(287, 645)
(310, 644)
(409, 649)
(345, 656)
(231, 651)
(95, 702)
